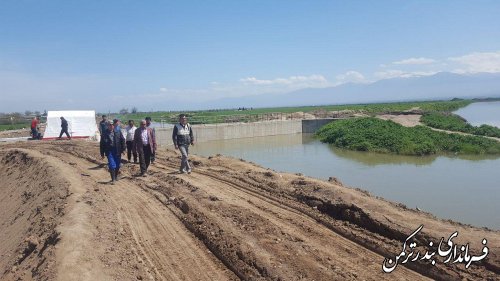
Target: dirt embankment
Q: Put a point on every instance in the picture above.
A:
(228, 220)
(32, 200)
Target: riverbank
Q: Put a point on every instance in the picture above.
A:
(452, 122)
(228, 220)
(385, 136)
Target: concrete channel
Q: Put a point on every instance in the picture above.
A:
(225, 131)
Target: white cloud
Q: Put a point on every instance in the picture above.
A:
(388, 74)
(163, 89)
(394, 73)
(351, 76)
(417, 61)
(307, 81)
(477, 62)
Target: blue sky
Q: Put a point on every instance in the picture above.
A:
(106, 55)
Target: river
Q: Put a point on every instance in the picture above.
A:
(481, 113)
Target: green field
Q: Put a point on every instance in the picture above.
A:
(259, 114)
(13, 127)
(372, 134)
(452, 122)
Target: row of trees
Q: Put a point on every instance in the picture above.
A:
(19, 118)
(27, 113)
(125, 110)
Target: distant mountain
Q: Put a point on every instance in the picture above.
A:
(442, 85)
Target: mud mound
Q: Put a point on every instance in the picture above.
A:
(32, 206)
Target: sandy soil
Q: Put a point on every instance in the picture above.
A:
(15, 133)
(407, 120)
(228, 220)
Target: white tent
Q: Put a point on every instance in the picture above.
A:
(81, 124)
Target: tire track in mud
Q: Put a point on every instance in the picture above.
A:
(296, 230)
(171, 251)
(338, 227)
(368, 239)
(161, 240)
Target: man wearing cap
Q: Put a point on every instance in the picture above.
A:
(182, 136)
(148, 125)
(112, 145)
(144, 145)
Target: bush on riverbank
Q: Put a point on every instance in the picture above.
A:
(372, 134)
(452, 122)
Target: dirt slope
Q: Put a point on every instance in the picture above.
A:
(32, 205)
(228, 220)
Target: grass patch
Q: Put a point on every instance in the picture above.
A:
(372, 134)
(6, 127)
(453, 122)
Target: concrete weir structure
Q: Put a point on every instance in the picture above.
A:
(224, 131)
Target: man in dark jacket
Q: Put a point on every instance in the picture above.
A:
(103, 125)
(148, 125)
(64, 128)
(112, 145)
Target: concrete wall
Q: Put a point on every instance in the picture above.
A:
(310, 126)
(226, 131)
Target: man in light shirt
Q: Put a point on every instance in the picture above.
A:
(144, 145)
(130, 129)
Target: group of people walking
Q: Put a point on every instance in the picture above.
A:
(140, 144)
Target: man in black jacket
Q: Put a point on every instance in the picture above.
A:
(64, 128)
(103, 125)
(148, 125)
(112, 145)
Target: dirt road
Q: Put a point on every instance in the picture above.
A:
(228, 220)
